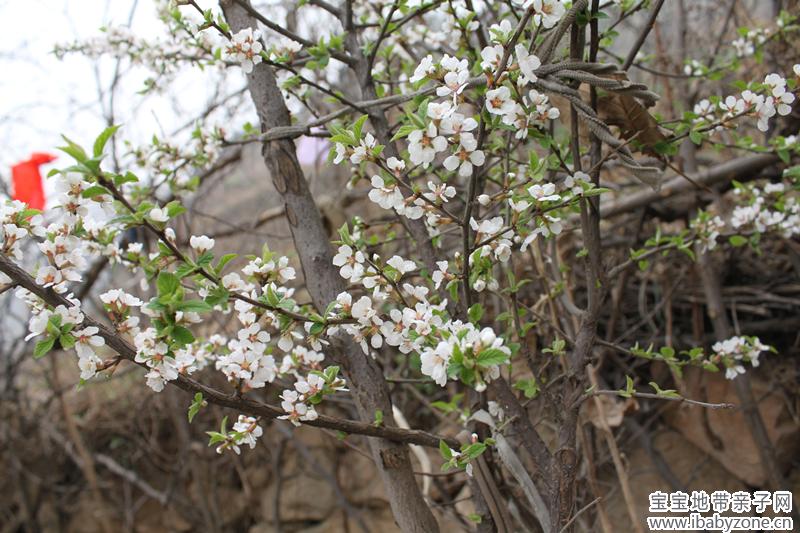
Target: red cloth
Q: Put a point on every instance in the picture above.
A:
(28, 186)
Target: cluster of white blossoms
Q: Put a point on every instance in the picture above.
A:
(455, 74)
(66, 320)
(447, 128)
(745, 45)
(423, 328)
(531, 110)
(244, 432)
(168, 352)
(771, 208)
(311, 383)
(545, 12)
(163, 57)
(245, 47)
(161, 361)
(247, 361)
(271, 270)
(767, 209)
(41, 314)
(524, 200)
(17, 223)
(178, 160)
(78, 229)
(118, 305)
(495, 231)
(466, 352)
(733, 353)
(694, 68)
(707, 228)
(64, 250)
(296, 402)
(770, 99)
(441, 26)
(283, 48)
(247, 431)
(406, 328)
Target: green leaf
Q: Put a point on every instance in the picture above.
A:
(167, 283)
(629, 390)
(182, 336)
(196, 306)
(445, 450)
(67, 341)
(272, 297)
(215, 437)
(102, 139)
(596, 191)
(378, 418)
(737, 240)
(185, 269)
(217, 296)
(358, 126)
(205, 259)
(94, 190)
(197, 404)
(474, 450)
(54, 325)
(74, 150)
(316, 328)
(174, 208)
(43, 346)
(529, 387)
(129, 177)
(224, 260)
(492, 356)
(666, 393)
(667, 352)
(403, 131)
(475, 313)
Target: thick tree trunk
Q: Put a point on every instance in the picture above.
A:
(324, 284)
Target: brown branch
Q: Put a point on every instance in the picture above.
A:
(679, 399)
(643, 35)
(735, 169)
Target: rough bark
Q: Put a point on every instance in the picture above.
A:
(324, 284)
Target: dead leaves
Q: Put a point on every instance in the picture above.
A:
(610, 410)
(631, 117)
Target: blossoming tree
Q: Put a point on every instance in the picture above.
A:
(500, 141)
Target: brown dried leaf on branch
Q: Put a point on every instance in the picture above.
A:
(630, 116)
(612, 409)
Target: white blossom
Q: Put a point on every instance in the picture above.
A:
(201, 243)
(350, 263)
(424, 144)
(246, 48)
(498, 101)
(158, 214)
(528, 63)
